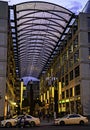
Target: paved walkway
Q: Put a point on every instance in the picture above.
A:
(45, 122)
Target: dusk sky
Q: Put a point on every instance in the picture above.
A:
(75, 6)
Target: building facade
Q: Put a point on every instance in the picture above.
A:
(70, 72)
(65, 87)
(3, 53)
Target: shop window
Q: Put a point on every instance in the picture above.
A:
(77, 90)
(77, 71)
(71, 75)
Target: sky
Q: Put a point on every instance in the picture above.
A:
(75, 6)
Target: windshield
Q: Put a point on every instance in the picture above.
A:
(65, 116)
(14, 117)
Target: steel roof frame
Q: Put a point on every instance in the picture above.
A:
(38, 33)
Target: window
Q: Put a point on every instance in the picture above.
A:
(76, 56)
(63, 95)
(88, 36)
(89, 51)
(77, 71)
(70, 49)
(63, 83)
(71, 75)
(62, 70)
(88, 22)
(71, 62)
(67, 93)
(77, 90)
(71, 93)
(29, 116)
(75, 43)
(66, 79)
(66, 67)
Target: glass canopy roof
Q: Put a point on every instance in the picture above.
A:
(39, 28)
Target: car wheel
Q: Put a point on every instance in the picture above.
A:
(32, 123)
(62, 123)
(8, 125)
(81, 123)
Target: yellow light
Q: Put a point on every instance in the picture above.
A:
(24, 87)
(63, 101)
(6, 97)
(47, 94)
(67, 100)
(73, 91)
(59, 90)
(52, 91)
(21, 95)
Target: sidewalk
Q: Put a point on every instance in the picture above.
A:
(45, 122)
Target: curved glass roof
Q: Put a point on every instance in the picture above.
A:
(39, 27)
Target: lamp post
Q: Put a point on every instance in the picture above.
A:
(31, 97)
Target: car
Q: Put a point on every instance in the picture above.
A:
(9, 122)
(71, 119)
(31, 120)
(26, 120)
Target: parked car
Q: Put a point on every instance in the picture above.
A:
(31, 121)
(71, 119)
(9, 122)
(15, 121)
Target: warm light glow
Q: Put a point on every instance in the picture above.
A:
(6, 97)
(52, 91)
(59, 90)
(48, 94)
(63, 101)
(24, 87)
(21, 95)
(73, 91)
(67, 100)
